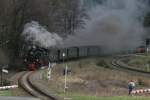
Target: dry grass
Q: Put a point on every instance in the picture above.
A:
(88, 78)
(139, 62)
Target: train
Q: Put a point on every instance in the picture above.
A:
(36, 56)
(141, 49)
(71, 53)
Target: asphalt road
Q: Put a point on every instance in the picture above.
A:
(18, 98)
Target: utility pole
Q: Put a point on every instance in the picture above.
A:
(147, 45)
(1, 75)
(65, 87)
(65, 72)
(49, 71)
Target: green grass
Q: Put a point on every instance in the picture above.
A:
(140, 62)
(88, 97)
(110, 98)
(5, 93)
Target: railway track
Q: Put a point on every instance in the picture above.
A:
(119, 65)
(26, 83)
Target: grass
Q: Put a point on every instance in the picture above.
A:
(5, 93)
(76, 96)
(85, 98)
(110, 98)
(89, 76)
(140, 62)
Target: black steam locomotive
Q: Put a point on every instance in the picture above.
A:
(36, 57)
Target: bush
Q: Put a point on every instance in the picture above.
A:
(6, 82)
(102, 63)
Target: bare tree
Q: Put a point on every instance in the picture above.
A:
(69, 15)
(60, 16)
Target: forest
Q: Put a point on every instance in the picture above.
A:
(60, 16)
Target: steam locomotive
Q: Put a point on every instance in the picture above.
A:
(35, 56)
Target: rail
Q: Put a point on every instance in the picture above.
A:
(27, 84)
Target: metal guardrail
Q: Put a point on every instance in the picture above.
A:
(8, 87)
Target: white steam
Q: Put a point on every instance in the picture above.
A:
(115, 24)
(38, 35)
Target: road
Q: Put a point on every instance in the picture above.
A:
(18, 98)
